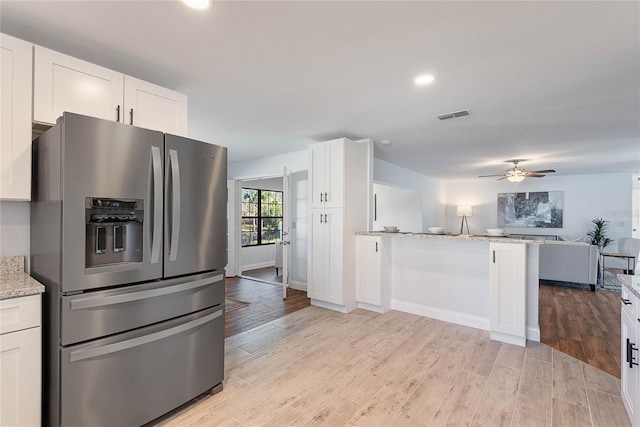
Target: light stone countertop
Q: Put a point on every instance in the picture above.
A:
(14, 282)
(630, 282)
(482, 238)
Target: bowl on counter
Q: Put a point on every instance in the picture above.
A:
(390, 228)
(495, 231)
(436, 229)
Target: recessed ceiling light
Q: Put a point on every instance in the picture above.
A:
(424, 79)
(197, 4)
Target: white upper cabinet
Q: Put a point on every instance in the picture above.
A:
(153, 107)
(327, 167)
(15, 115)
(63, 83)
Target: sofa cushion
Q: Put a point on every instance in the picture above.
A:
(575, 262)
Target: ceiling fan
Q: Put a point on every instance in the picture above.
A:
(517, 174)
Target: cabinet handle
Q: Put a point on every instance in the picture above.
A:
(118, 113)
(326, 198)
(376, 246)
(375, 207)
(320, 218)
(321, 197)
(630, 349)
(325, 218)
(494, 257)
(131, 117)
(626, 301)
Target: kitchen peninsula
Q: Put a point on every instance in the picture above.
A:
(485, 282)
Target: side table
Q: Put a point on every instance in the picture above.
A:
(631, 261)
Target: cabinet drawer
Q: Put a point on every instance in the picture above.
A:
(19, 313)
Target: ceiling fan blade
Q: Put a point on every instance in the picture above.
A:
(543, 171)
(500, 179)
(486, 176)
(530, 175)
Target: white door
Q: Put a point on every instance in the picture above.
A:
(232, 236)
(285, 241)
(368, 270)
(316, 253)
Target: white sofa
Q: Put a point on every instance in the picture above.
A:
(575, 262)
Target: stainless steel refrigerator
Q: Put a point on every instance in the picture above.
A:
(128, 235)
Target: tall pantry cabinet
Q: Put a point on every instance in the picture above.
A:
(338, 185)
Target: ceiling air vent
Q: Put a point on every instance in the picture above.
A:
(453, 115)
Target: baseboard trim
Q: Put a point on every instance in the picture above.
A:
(533, 334)
(440, 314)
(508, 338)
(371, 307)
(329, 306)
(257, 265)
(300, 286)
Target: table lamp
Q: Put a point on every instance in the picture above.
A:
(464, 212)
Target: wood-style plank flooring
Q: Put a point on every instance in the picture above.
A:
(268, 274)
(265, 304)
(318, 367)
(582, 324)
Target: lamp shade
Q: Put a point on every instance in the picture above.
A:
(464, 211)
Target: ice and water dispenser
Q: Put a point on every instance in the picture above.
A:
(113, 231)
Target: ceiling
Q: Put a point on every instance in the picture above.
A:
(551, 81)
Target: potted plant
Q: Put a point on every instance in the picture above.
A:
(598, 236)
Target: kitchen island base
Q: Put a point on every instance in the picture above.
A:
(451, 278)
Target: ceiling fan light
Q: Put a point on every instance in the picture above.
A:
(515, 178)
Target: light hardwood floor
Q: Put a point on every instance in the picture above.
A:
(317, 367)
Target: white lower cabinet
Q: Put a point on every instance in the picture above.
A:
(630, 355)
(20, 361)
(326, 267)
(373, 273)
(507, 284)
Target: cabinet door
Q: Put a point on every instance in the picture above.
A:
(508, 291)
(316, 175)
(630, 387)
(15, 116)
(20, 374)
(334, 173)
(63, 83)
(368, 270)
(316, 254)
(154, 107)
(334, 246)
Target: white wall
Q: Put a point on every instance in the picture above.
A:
(585, 197)
(268, 166)
(15, 234)
(432, 190)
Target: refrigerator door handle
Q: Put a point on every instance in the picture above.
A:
(157, 187)
(94, 302)
(136, 342)
(175, 205)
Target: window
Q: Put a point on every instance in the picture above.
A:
(261, 216)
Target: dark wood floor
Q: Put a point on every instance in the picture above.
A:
(267, 273)
(582, 324)
(266, 304)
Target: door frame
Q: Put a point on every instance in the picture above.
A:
(235, 222)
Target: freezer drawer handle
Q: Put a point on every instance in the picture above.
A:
(89, 353)
(92, 302)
